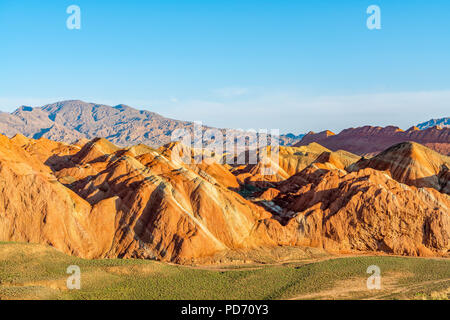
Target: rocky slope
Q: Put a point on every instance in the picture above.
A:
(95, 200)
(442, 122)
(412, 164)
(290, 139)
(372, 140)
(365, 211)
(290, 160)
(35, 207)
(103, 201)
(69, 121)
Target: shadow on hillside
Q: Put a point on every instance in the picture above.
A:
(57, 163)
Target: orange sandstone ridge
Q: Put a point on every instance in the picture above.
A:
(412, 164)
(96, 200)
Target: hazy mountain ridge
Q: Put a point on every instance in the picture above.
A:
(442, 122)
(370, 140)
(69, 121)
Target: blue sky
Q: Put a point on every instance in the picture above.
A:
(291, 65)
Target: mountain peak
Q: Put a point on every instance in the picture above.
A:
(369, 140)
(25, 108)
(71, 120)
(442, 122)
(413, 128)
(410, 163)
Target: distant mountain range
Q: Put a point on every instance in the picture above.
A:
(69, 121)
(443, 122)
(369, 141)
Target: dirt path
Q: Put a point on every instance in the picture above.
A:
(405, 289)
(356, 288)
(303, 262)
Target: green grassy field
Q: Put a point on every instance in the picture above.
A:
(29, 271)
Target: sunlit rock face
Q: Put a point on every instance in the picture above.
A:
(369, 141)
(94, 199)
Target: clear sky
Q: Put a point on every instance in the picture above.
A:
(292, 65)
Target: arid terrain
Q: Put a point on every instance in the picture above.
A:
(70, 121)
(30, 271)
(369, 141)
(96, 200)
(93, 199)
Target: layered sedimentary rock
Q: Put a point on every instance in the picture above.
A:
(365, 211)
(35, 207)
(288, 161)
(371, 140)
(412, 164)
(94, 199)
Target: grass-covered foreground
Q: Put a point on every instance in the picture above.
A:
(29, 271)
